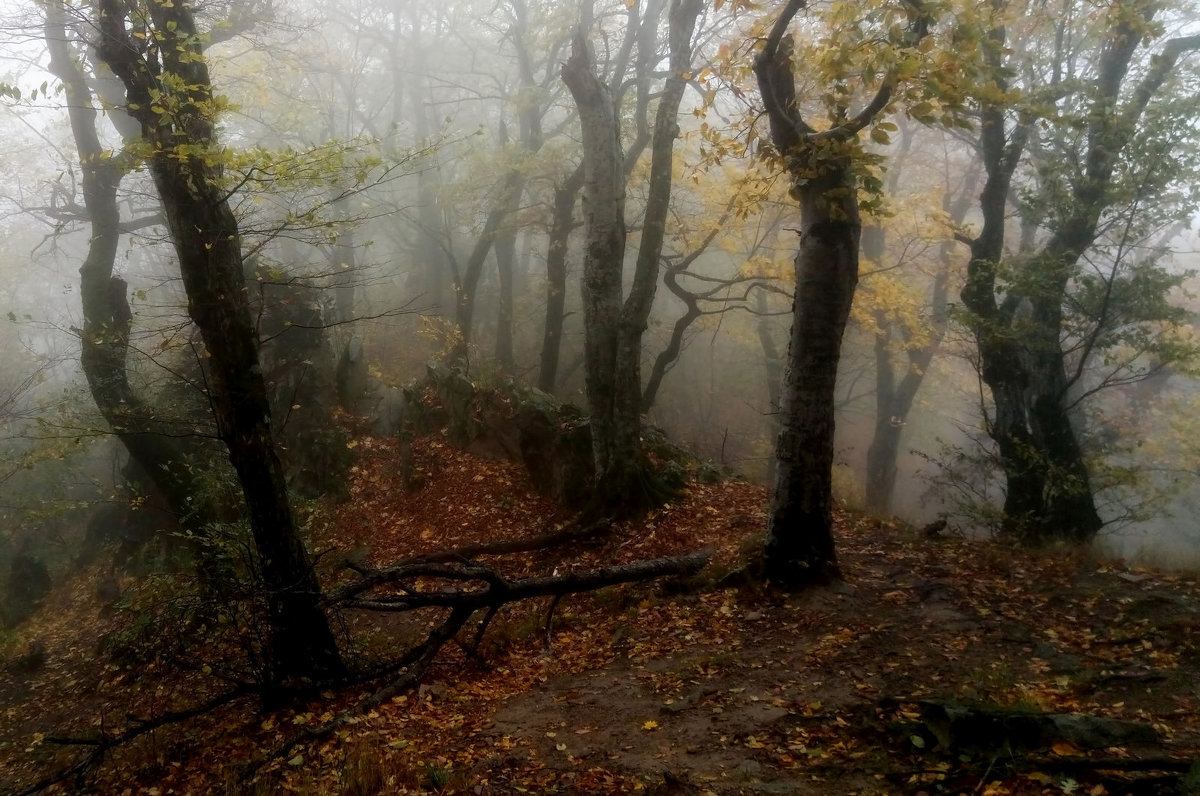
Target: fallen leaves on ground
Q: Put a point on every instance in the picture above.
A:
(635, 689)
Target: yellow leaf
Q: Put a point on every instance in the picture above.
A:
(650, 726)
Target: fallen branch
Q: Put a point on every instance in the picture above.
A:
(463, 556)
(497, 589)
(105, 742)
(417, 661)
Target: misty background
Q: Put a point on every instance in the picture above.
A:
(376, 147)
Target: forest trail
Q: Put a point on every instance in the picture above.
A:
(644, 689)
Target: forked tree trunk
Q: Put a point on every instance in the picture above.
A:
(107, 318)
(614, 328)
(799, 548)
(615, 445)
(1049, 492)
(175, 113)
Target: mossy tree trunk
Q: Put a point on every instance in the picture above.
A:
(614, 324)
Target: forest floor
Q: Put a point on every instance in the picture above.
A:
(647, 689)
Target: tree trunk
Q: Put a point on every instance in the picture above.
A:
(1068, 510)
(506, 256)
(1049, 493)
(467, 283)
(107, 318)
(603, 259)
(772, 373)
(614, 328)
(208, 245)
(894, 401)
(561, 223)
(343, 271)
(799, 548)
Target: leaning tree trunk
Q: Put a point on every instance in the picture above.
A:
(508, 195)
(176, 115)
(107, 318)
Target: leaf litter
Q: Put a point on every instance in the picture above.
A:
(641, 689)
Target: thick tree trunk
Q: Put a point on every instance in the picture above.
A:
(1069, 508)
(208, 245)
(1049, 493)
(799, 547)
(1000, 362)
(603, 260)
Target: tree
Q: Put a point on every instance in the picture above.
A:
(825, 169)
(1018, 308)
(613, 326)
(156, 51)
(898, 321)
(107, 317)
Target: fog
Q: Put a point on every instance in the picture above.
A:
(399, 164)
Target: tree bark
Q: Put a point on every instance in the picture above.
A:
(603, 260)
(799, 548)
(176, 118)
(107, 318)
(561, 223)
(614, 328)
(1049, 493)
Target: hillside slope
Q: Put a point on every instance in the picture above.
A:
(634, 688)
